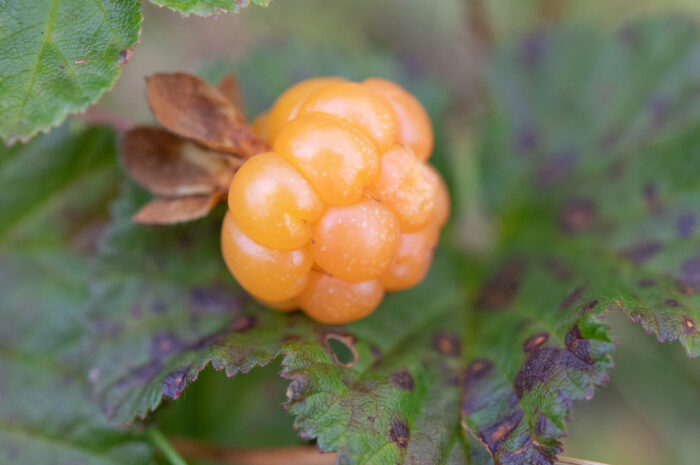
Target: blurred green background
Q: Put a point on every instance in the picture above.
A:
(650, 411)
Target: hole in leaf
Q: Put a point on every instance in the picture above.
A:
(342, 349)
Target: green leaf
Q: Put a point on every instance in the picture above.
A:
(208, 7)
(536, 345)
(593, 143)
(59, 57)
(46, 416)
(158, 323)
(590, 170)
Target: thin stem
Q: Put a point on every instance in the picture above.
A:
(161, 443)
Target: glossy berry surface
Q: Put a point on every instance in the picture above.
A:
(344, 208)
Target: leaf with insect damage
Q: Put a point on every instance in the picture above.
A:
(596, 137)
(165, 307)
(532, 353)
(190, 107)
(46, 416)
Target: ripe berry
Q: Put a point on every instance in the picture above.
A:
(357, 106)
(415, 130)
(334, 301)
(287, 105)
(336, 158)
(411, 260)
(273, 202)
(355, 243)
(404, 187)
(345, 206)
(269, 274)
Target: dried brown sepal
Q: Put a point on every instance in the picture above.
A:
(192, 108)
(171, 166)
(228, 86)
(164, 210)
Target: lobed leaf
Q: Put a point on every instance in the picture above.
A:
(58, 57)
(165, 307)
(45, 414)
(596, 139)
(532, 353)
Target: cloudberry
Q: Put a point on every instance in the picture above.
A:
(343, 208)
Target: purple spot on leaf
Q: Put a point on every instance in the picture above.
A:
(651, 198)
(577, 216)
(399, 433)
(689, 327)
(447, 343)
(532, 50)
(494, 435)
(174, 383)
(403, 380)
(641, 252)
(690, 272)
(164, 344)
(556, 169)
(500, 290)
(526, 140)
(535, 342)
(571, 299)
(685, 225)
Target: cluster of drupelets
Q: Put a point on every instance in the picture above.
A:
(344, 207)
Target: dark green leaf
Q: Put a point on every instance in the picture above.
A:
(595, 140)
(165, 307)
(208, 7)
(45, 184)
(591, 172)
(46, 416)
(58, 57)
(536, 345)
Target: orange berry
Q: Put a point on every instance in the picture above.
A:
(359, 107)
(337, 159)
(442, 197)
(415, 129)
(268, 274)
(355, 243)
(403, 187)
(287, 105)
(344, 207)
(411, 260)
(333, 301)
(273, 203)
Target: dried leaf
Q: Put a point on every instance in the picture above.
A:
(171, 166)
(192, 108)
(178, 209)
(228, 86)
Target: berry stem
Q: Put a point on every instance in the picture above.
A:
(161, 443)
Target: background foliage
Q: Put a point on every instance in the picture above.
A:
(571, 149)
